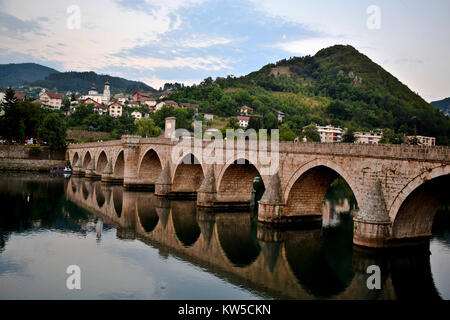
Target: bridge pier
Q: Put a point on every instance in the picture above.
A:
(90, 171)
(207, 193)
(163, 185)
(131, 159)
(372, 226)
(78, 169)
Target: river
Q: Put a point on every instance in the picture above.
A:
(134, 245)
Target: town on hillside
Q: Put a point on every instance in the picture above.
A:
(156, 106)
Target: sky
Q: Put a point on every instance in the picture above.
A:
(188, 40)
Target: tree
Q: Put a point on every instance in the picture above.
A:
(13, 127)
(147, 128)
(256, 122)
(390, 137)
(53, 131)
(349, 136)
(311, 133)
(286, 134)
(233, 123)
(270, 121)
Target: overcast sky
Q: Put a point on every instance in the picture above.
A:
(187, 41)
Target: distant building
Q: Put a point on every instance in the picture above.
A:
(330, 133)
(115, 109)
(20, 96)
(281, 116)
(246, 110)
(170, 103)
(136, 114)
(368, 137)
(243, 121)
(208, 116)
(144, 98)
(190, 105)
(91, 101)
(51, 100)
(104, 97)
(421, 140)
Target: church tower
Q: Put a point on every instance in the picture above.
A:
(106, 93)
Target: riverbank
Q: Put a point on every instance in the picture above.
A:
(26, 158)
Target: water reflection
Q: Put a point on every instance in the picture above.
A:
(268, 262)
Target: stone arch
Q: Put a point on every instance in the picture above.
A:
(307, 187)
(147, 215)
(117, 198)
(119, 165)
(102, 161)
(235, 181)
(413, 209)
(184, 219)
(99, 195)
(75, 159)
(86, 160)
(188, 175)
(237, 238)
(149, 167)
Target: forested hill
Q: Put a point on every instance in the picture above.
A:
(338, 85)
(83, 81)
(443, 105)
(16, 74)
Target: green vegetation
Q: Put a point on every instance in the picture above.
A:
(53, 130)
(83, 81)
(146, 128)
(16, 74)
(338, 85)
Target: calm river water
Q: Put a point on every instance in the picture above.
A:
(133, 245)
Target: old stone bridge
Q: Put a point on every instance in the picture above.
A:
(397, 188)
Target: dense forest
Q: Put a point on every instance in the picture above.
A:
(338, 85)
(16, 74)
(83, 81)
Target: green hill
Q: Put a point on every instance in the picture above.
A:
(16, 74)
(443, 105)
(83, 81)
(339, 85)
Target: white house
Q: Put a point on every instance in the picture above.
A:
(330, 133)
(115, 109)
(136, 114)
(51, 100)
(368, 137)
(243, 121)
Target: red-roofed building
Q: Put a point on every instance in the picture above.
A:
(246, 110)
(243, 121)
(166, 103)
(91, 101)
(144, 98)
(20, 96)
(51, 100)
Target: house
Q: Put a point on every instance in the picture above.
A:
(330, 133)
(281, 116)
(51, 100)
(20, 96)
(101, 109)
(190, 105)
(246, 110)
(170, 103)
(421, 140)
(136, 114)
(115, 109)
(91, 101)
(368, 137)
(208, 116)
(144, 98)
(243, 121)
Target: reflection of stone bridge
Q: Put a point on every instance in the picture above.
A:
(397, 188)
(288, 264)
